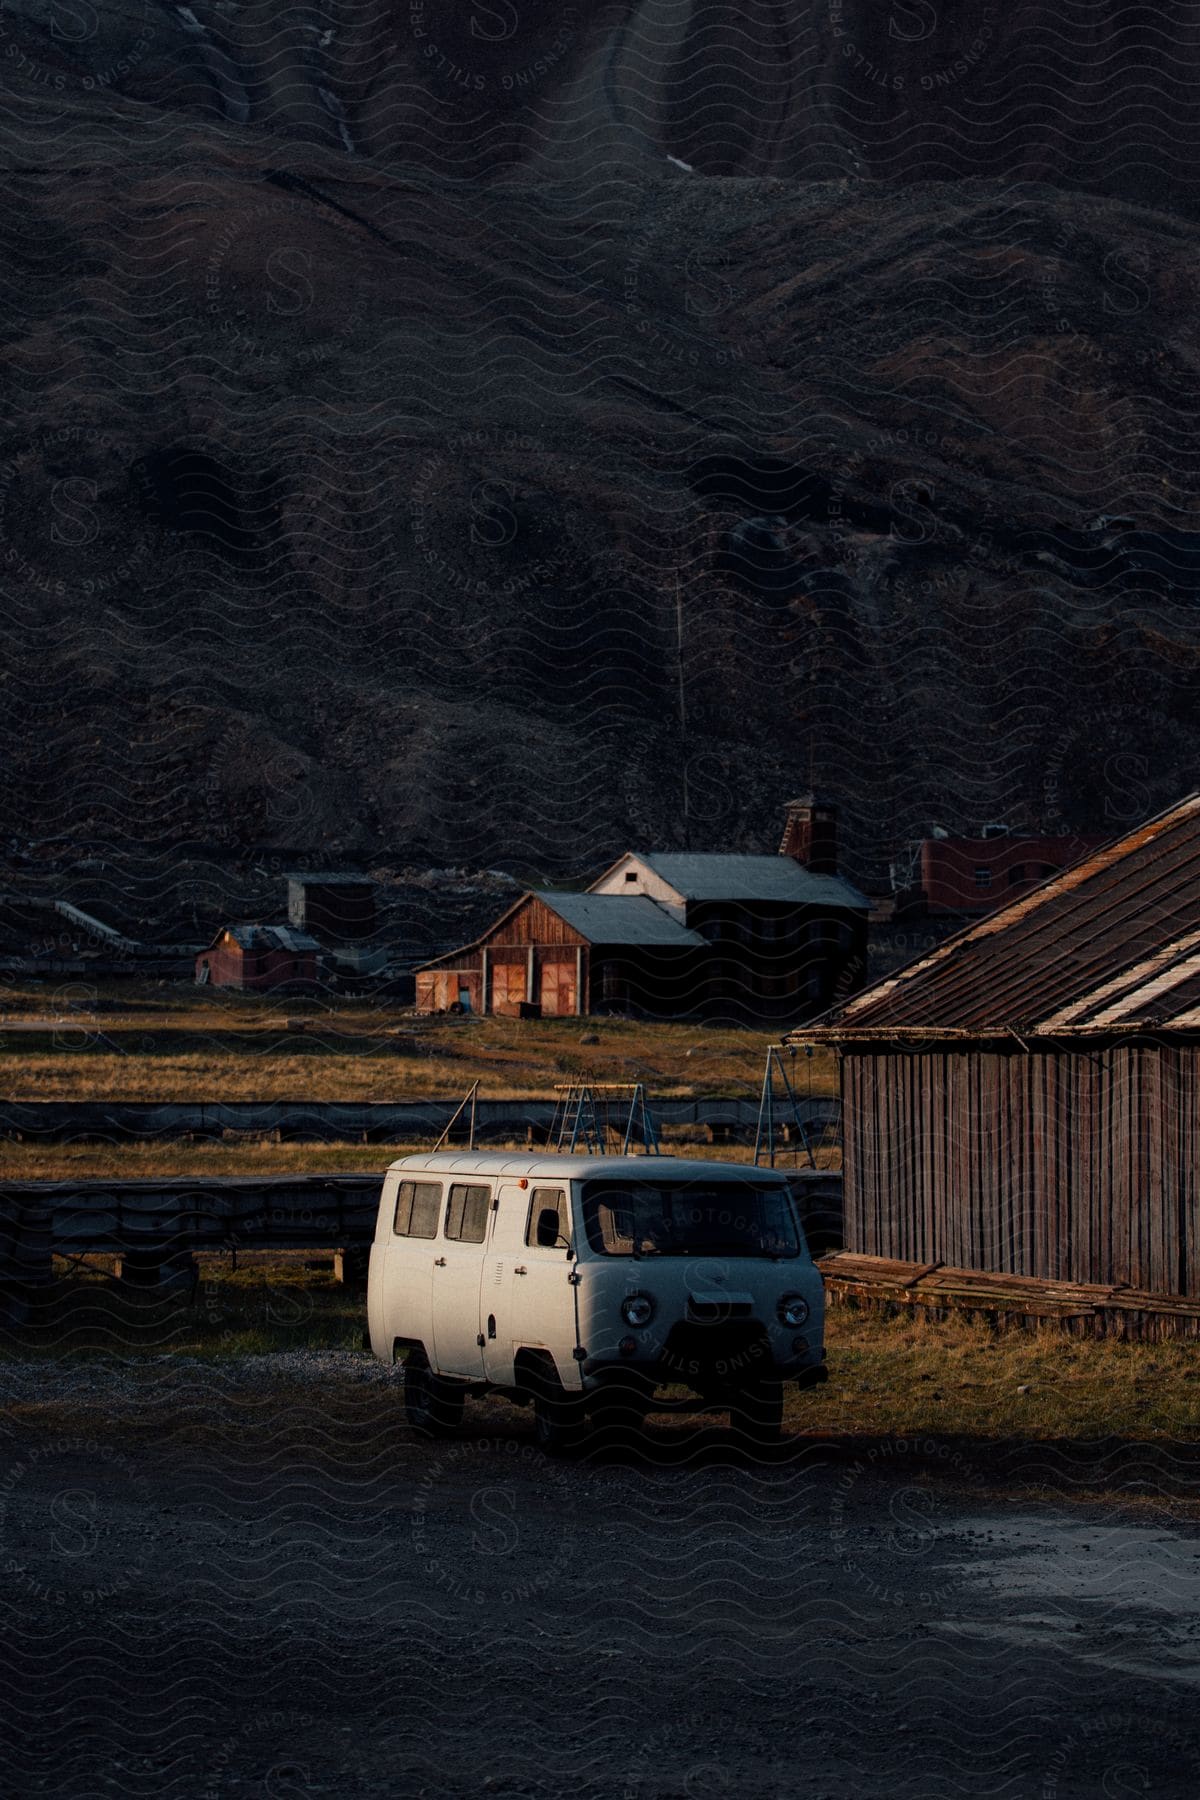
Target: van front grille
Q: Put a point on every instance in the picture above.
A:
(716, 1312)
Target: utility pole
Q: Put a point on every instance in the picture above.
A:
(682, 700)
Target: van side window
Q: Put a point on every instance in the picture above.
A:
(466, 1213)
(548, 1200)
(417, 1207)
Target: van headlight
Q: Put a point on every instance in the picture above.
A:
(637, 1309)
(793, 1309)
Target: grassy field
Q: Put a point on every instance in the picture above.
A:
(897, 1379)
(257, 1156)
(167, 1042)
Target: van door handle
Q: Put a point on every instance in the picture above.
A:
(520, 1269)
(439, 1262)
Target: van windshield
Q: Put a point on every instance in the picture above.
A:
(689, 1218)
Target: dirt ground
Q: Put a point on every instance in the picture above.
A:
(248, 1578)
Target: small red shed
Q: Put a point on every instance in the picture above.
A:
(258, 957)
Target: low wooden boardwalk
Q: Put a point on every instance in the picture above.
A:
(937, 1290)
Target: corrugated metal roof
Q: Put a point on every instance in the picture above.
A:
(1111, 944)
(621, 919)
(696, 876)
(268, 937)
(329, 878)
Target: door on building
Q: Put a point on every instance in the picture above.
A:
(458, 1276)
(508, 986)
(558, 988)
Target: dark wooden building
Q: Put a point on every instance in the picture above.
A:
(1026, 1098)
(564, 953)
(335, 908)
(257, 958)
(676, 935)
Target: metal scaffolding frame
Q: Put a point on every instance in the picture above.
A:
(765, 1136)
(603, 1119)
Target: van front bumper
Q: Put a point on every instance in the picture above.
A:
(707, 1357)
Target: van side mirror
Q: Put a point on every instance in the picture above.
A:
(548, 1235)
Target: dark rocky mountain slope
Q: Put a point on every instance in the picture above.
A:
(391, 465)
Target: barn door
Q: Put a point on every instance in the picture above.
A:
(558, 989)
(508, 986)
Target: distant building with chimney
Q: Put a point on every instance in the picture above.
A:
(675, 934)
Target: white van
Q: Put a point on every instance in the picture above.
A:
(583, 1283)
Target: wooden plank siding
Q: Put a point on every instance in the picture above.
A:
(532, 923)
(1077, 1165)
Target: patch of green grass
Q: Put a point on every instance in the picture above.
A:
(265, 1302)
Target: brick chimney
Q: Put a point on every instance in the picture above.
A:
(810, 833)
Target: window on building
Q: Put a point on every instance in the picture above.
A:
(466, 1213)
(983, 876)
(1018, 873)
(417, 1207)
(631, 874)
(548, 1200)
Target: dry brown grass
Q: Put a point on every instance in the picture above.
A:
(903, 1377)
(245, 1156)
(170, 1043)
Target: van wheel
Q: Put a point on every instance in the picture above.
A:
(756, 1413)
(619, 1412)
(559, 1422)
(432, 1404)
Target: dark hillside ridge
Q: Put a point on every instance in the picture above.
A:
(359, 511)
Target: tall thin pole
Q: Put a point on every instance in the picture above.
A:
(682, 696)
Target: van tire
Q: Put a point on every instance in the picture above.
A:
(559, 1421)
(618, 1412)
(756, 1412)
(433, 1405)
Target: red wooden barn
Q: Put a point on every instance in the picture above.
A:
(563, 953)
(258, 957)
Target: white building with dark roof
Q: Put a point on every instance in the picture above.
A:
(671, 935)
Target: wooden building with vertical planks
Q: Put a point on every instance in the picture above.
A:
(564, 953)
(673, 935)
(1025, 1099)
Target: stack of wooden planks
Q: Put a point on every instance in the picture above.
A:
(936, 1290)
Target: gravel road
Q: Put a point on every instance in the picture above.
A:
(248, 1578)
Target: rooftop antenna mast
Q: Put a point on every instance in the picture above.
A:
(468, 1099)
